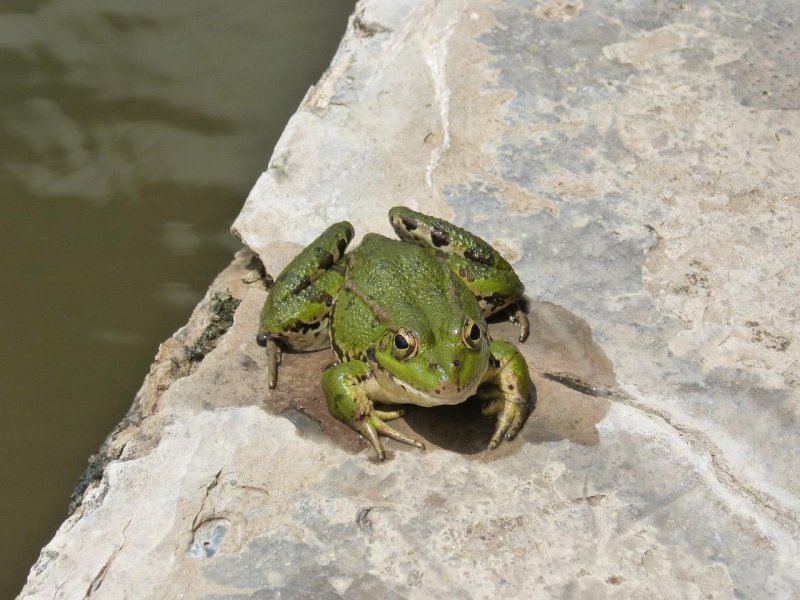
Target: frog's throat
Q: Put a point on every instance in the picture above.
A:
(392, 390)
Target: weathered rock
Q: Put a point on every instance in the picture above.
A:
(637, 164)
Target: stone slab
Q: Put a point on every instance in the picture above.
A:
(637, 163)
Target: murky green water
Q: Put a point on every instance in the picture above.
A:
(130, 134)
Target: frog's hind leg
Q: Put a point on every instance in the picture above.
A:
(484, 271)
(297, 311)
(496, 290)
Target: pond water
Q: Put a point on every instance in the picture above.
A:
(131, 134)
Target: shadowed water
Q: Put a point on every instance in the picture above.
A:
(131, 134)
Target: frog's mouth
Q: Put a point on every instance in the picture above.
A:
(444, 393)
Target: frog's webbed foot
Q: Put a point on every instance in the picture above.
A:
(373, 426)
(508, 391)
(344, 386)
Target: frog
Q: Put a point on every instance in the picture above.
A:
(406, 320)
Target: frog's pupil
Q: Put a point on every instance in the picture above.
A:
(475, 332)
(401, 342)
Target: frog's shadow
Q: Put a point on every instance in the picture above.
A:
(460, 428)
(560, 342)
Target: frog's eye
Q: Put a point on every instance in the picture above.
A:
(472, 333)
(405, 344)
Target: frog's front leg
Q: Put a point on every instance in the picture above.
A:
(484, 271)
(507, 388)
(346, 388)
(296, 312)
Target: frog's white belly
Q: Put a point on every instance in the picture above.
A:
(384, 387)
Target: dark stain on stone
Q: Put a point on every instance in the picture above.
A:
(768, 339)
(223, 305)
(435, 500)
(302, 419)
(362, 518)
(247, 363)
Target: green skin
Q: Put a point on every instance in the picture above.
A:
(406, 322)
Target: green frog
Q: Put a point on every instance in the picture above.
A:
(406, 321)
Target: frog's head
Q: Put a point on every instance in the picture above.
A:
(441, 364)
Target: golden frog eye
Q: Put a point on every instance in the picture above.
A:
(405, 344)
(472, 333)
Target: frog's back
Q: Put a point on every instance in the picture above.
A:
(400, 274)
(392, 284)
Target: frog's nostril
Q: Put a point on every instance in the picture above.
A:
(456, 363)
(261, 339)
(434, 366)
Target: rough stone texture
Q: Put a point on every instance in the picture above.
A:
(637, 162)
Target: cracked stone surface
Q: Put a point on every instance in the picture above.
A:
(637, 162)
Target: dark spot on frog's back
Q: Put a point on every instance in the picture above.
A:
(341, 246)
(303, 327)
(439, 238)
(326, 261)
(409, 223)
(464, 273)
(476, 255)
(302, 284)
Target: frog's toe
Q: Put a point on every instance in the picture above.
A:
(273, 358)
(388, 415)
(373, 426)
(511, 417)
(517, 422)
(367, 429)
(375, 420)
(521, 319)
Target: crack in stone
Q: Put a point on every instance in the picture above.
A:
(698, 440)
(196, 522)
(101, 575)
(364, 28)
